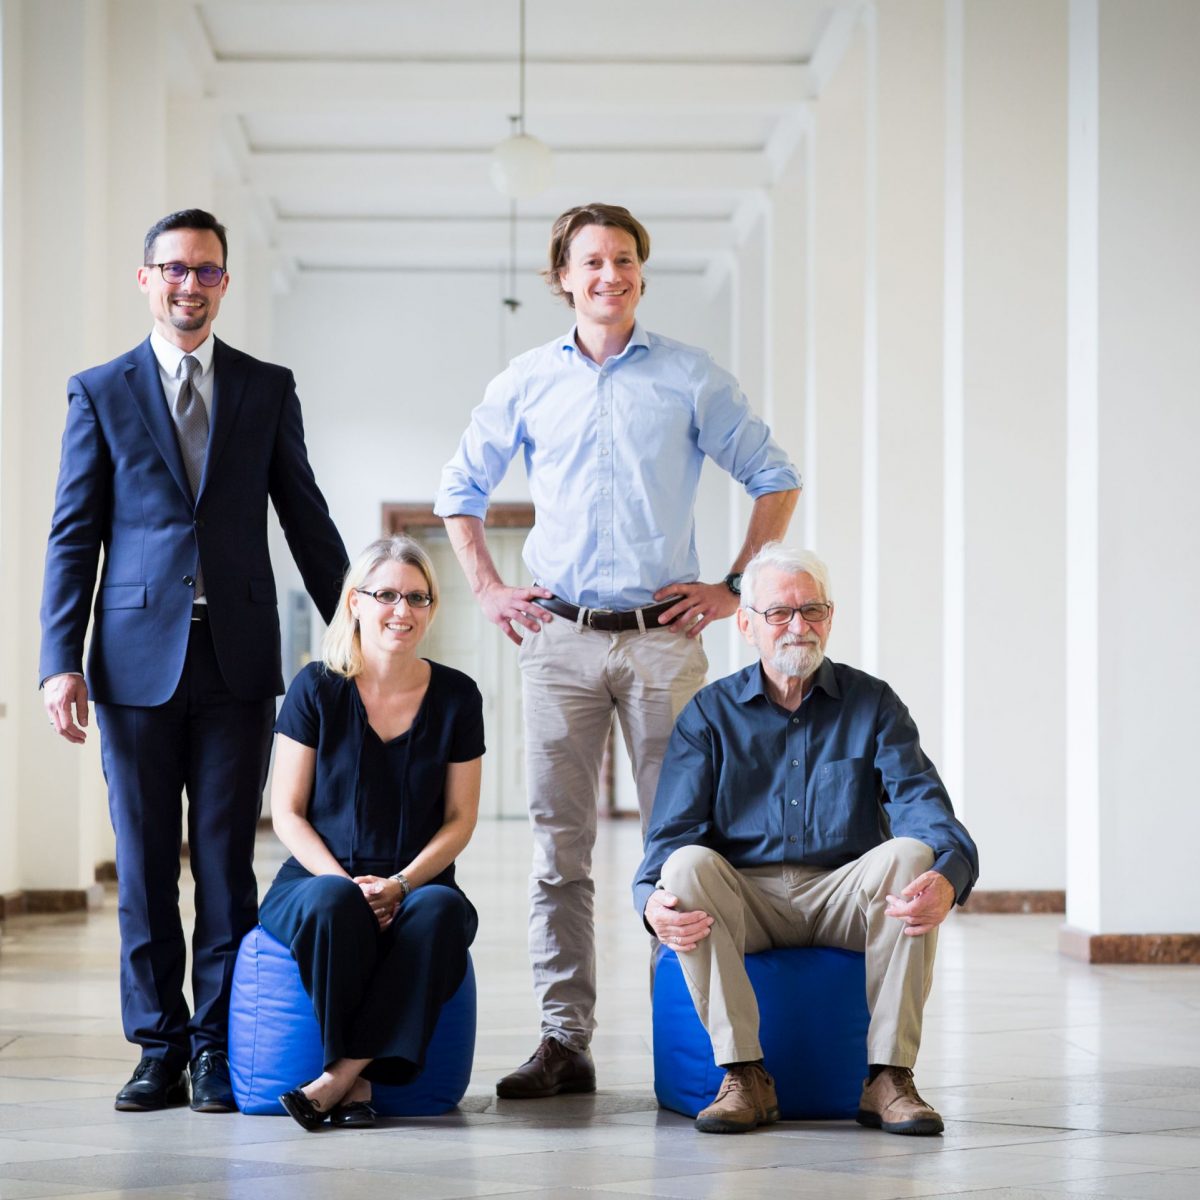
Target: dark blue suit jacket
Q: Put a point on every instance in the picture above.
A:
(122, 486)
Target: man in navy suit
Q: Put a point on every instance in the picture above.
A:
(169, 457)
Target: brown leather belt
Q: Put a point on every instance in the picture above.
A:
(605, 619)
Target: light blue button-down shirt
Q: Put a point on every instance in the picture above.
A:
(613, 454)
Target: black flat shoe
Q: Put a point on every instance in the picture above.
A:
(356, 1114)
(302, 1110)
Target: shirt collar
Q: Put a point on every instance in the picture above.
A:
(755, 683)
(639, 338)
(170, 356)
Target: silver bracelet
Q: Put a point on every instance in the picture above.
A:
(405, 886)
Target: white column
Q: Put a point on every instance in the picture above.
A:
(909, 142)
(834, 443)
(1012, 521)
(1134, 577)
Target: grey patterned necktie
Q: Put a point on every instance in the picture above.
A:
(191, 427)
(191, 424)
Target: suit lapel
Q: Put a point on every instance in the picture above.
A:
(229, 388)
(145, 386)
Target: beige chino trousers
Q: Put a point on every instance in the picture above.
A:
(573, 680)
(758, 908)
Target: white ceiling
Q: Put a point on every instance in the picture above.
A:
(364, 130)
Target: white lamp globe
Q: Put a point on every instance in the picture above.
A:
(521, 166)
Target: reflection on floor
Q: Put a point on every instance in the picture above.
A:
(1055, 1079)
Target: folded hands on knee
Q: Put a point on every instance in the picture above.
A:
(682, 931)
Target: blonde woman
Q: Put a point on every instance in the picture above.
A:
(375, 793)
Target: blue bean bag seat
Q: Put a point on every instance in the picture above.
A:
(275, 1043)
(813, 1028)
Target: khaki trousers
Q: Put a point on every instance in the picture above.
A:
(573, 680)
(761, 907)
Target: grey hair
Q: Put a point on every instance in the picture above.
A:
(775, 556)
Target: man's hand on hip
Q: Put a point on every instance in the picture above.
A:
(682, 931)
(924, 904)
(506, 606)
(66, 701)
(699, 605)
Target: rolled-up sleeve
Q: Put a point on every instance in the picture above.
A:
(492, 438)
(738, 440)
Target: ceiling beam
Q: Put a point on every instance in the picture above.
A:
(623, 89)
(393, 171)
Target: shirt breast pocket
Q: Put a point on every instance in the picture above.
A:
(847, 806)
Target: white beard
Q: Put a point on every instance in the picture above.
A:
(797, 659)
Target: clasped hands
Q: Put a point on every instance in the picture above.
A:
(697, 606)
(923, 905)
(383, 895)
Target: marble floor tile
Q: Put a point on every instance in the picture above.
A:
(1057, 1080)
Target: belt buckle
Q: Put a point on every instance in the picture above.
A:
(592, 612)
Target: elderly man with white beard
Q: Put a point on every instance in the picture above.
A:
(795, 807)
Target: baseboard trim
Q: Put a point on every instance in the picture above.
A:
(1159, 949)
(12, 904)
(106, 872)
(62, 900)
(996, 901)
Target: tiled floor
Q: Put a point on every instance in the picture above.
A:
(1057, 1080)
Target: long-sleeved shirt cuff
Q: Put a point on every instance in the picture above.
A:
(955, 868)
(772, 479)
(641, 894)
(460, 504)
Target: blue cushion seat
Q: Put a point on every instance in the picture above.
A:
(275, 1043)
(813, 1028)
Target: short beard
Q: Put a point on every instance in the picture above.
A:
(798, 660)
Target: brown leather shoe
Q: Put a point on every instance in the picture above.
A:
(892, 1104)
(745, 1101)
(553, 1068)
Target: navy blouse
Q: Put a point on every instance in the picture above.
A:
(377, 804)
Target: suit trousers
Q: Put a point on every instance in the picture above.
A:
(573, 680)
(377, 993)
(761, 907)
(215, 747)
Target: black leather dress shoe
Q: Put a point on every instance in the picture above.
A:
(553, 1068)
(302, 1110)
(153, 1085)
(354, 1114)
(211, 1090)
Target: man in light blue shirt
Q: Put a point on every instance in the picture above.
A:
(614, 423)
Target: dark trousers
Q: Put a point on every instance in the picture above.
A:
(216, 748)
(376, 993)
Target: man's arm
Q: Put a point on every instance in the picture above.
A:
(72, 556)
(919, 807)
(312, 537)
(703, 603)
(682, 816)
(502, 605)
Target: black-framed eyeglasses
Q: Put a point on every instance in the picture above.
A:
(391, 597)
(208, 275)
(780, 614)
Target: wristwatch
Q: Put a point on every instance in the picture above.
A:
(733, 581)
(405, 886)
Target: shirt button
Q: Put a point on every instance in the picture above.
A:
(795, 720)
(795, 762)
(604, 491)
(795, 802)
(603, 451)
(189, 581)
(792, 838)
